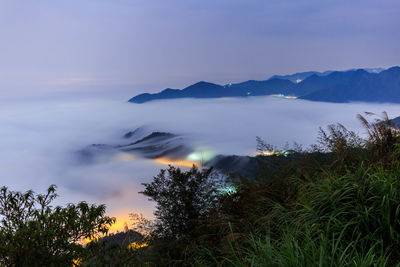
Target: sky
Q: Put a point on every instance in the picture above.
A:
(124, 47)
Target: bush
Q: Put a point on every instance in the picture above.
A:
(182, 198)
(33, 233)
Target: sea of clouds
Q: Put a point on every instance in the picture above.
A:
(40, 140)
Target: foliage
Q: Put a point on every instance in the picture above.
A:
(33, 233)
(338, 139)
(380, 146)
(383, 139)
(141, 224)
(117, 249)
(109, 254)
(182, 198)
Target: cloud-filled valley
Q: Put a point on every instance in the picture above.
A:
(40, 141)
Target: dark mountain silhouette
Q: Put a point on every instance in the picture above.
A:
(235, 165)
(396, 122)
(259, 88)
(122, 238)
(198, 90)
(150, 145)
(371, 85)
(210, 90)
(298, 77)
(356, 85)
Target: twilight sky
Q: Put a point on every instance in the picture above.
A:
(123, 47)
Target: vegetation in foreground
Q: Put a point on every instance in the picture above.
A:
(33, 233)
(337, 204)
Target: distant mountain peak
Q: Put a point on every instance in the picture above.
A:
(203, 83)
(363, 84)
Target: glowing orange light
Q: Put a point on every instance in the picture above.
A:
(119, 225)
(180, 162)
(77, 262)
(135, 245)
(121, 221)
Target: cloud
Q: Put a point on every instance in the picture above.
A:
(39, 140)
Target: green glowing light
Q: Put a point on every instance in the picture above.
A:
(194, 157)
(201, 154)
(228, 190)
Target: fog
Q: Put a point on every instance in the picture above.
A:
(39, 140)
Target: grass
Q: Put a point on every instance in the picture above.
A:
(348, 220)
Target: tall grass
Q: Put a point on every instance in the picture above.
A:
(345, 210)
(349, 220)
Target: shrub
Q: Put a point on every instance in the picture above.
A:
(182, 198)
(33, 233)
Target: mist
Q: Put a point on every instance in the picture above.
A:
(39, 140)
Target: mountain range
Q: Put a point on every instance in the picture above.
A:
(366, 85)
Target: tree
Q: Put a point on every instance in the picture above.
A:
(33, 233)
(182, 198)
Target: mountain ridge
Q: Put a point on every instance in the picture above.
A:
(369, 85)
(360, 85)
